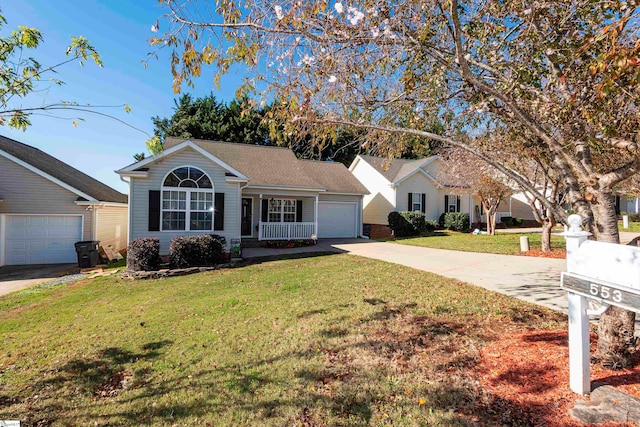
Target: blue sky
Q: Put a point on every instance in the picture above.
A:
(119, 30)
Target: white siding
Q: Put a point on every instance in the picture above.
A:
(25, 192)
(466, 205)
(381, 199)
(111, 229)
(419, 183)
(139, 197)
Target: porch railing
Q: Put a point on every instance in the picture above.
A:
(285, 230)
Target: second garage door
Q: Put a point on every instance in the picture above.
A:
(41, 239)
(337, 219)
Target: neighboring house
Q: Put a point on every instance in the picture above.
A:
(627, 204)
(411, 185)
(516, 206)
(46, 206)
(407, 185)
(240, 191)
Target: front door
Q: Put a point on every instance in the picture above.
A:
(247, 216)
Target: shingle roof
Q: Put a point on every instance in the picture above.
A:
(278, 166)
(394, 169)
(61, 171)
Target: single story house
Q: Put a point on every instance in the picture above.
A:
(46, 206)
(412, 185)
(240, 191)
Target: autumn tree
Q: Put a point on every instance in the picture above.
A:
(566, 72)
(468, 174)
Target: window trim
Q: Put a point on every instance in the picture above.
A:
(416, 199)
(281, 211)
(187, 211)
(453, 201)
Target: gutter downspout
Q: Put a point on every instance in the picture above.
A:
(128, 208)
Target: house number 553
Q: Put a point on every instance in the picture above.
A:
(605, 292)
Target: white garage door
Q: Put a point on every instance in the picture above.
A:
(41, 239)
(337, 219)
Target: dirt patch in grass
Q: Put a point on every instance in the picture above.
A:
(556, 253)
(530, 371)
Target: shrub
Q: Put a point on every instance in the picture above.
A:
(457, 221)
(196, 251)
(143, 254)
(507, 221)
(441, 220)
(409, 223)
(516, 221)
(416, 219)
(430, 225)
(399, 225)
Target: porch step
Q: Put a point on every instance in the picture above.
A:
(250, 243)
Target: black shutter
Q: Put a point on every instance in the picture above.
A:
(446, 203)
(218, 219)
(457, 203)
(298, 210)
(154, 210)
(424, 202)
(265, 210)
(410, 202)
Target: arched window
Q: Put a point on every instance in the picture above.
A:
(187, 200)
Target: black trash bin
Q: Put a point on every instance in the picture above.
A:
(87, 252)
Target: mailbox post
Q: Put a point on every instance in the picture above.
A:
(606, 272)
(579, 357)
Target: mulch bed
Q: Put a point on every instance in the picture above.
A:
(556, 253)
(531, 370)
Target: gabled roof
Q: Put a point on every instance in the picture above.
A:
(395, 170)
(267, 166)
(86, 187)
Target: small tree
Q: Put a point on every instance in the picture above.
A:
(468, 174)
(492, 192)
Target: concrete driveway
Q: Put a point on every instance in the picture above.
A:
(536, 280)
(16, 277)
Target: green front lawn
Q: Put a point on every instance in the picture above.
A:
(328, 340)
(507, 244)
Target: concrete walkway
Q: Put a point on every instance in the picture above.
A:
(17, 277)
(536, 280)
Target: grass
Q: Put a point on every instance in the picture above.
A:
(330, 340)
(507, 244)
(633, 227)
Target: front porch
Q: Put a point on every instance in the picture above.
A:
(288, 216)
(286, 230)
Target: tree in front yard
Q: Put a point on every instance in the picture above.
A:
(565, 73)
(468, 174)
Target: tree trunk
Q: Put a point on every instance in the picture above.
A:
(493, 222)
(616, 341)
(547, 226)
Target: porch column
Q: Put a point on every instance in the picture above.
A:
(315, 209)
(471, 221)
(260, 220)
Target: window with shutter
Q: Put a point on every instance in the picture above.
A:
(187, 200)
